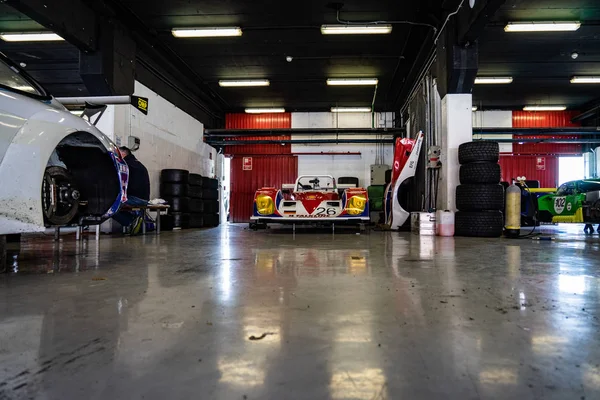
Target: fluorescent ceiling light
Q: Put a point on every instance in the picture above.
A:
(245, 83)
(474, 108)
(585, 79)
(350, 109)
(264, 110)
(489, 80)
(207, 32)
(352, 82)
(381, 29)
(544, 108)
(30, 37)
(542, 26)
(77, 112)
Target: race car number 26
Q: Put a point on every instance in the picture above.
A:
(325, 211)
(559, 204)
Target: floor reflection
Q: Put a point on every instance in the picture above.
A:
(228, 313)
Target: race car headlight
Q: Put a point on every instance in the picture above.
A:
(356, 205)
(265, 204)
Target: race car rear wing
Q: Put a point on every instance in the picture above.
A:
(96, 105)
(288, 186)
(346, 186)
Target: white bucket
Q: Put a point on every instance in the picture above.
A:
(444, 223)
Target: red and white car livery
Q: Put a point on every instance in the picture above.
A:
(310, 199)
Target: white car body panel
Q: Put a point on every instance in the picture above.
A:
(398, 214)
(30, 130)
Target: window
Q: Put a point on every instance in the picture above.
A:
(10, 77)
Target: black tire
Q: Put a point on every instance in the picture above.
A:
(348, 180)
(480, 197)
(388, 176)
(166, 222)
(480, 173)
(210, 194)
(174, 175)
(211, 206)
(209, 183)
(181, 220)
(174, 190)
(479, 224)
(178, 204)
(478, 152)
(196, 192)
(196, 206)
(211, 220)
(195, 180)
(196, 221)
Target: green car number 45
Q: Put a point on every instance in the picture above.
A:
(570, 203)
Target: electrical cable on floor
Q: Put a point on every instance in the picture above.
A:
(532, 233)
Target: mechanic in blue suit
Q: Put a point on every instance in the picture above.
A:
(138, 192)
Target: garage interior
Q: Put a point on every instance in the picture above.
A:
(251, 95)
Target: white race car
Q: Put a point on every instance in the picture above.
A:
(55, 168)
(311, 199)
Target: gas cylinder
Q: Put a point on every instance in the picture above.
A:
(512, 213)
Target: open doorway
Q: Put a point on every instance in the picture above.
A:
(570, 169)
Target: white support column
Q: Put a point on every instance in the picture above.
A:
(457, 128)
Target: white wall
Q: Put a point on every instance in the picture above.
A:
(494, 119)
(336, 165)
(170, 138)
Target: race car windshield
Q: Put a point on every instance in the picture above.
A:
(321, 183)
(11, 78)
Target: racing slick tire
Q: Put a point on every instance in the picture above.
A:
(195, 180)
(479, 173)
(174, 189)
(480, 197)
(196, 221)
(211, 206)
(210, 194)
(178, 204)
(181, 220)
(196, 206)
(166, 222)
(348, 180)
(478, 152)
(196, 192)
(209, 183)
(174, 175)
(479, 224)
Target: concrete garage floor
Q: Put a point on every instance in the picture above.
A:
(375, 316)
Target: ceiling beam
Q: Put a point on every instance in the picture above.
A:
(472, 21)
(71, 19)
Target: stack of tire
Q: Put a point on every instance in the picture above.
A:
(210, 197)
(175, 190)
(196, 203)
(480, 196)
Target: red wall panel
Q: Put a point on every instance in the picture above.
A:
(545, 119)
(266, 171)
(259, 121)
(277, 167)
(513, 166)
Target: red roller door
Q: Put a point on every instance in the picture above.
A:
(271, 164)
(545, 170)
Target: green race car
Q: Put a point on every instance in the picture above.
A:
(573, 202)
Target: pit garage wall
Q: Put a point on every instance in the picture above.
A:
(170, 138)
(534, 161)
(341, 165)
